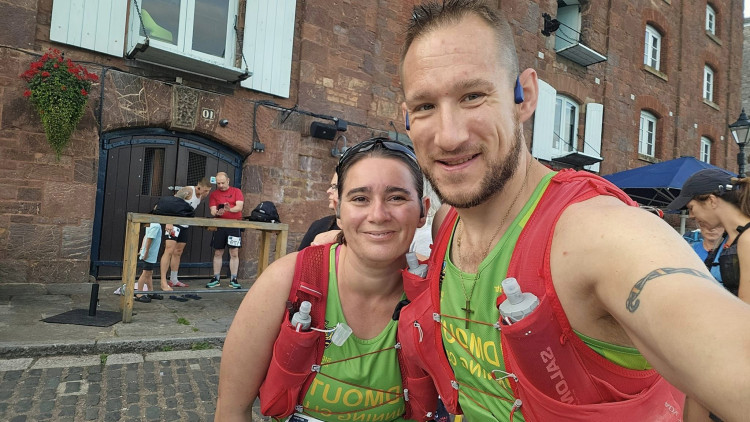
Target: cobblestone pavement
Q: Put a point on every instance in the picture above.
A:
(161, 386)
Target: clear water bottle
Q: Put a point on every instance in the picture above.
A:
(301, 320)
(518, 304)
(414, 266)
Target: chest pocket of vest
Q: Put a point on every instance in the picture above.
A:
(729, 265)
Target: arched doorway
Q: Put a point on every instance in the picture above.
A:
(136, 167)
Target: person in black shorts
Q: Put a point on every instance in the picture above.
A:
(226, 202)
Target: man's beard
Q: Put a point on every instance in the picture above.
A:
(498, 174)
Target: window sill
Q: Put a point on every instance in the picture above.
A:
(711, 104)
(648, 158)
(658, 74)
(714, 38)
(153, 53)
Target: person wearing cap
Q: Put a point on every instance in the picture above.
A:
(714, 198)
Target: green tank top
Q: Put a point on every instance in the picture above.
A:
(483, 341)
(365, 388)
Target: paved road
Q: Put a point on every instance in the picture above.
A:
(160, 386)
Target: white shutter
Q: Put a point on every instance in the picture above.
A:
(267, 45)
(97, 25)
(544, 121)
(592, 141)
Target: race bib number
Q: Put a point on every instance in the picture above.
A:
(175, 231)
(302, 418)
(234, 241)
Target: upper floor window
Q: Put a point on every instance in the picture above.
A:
(652, 49)
(705, 150)
(201, 27)
(708, 84)
(566, 125)
(647, 135)
(710, 20)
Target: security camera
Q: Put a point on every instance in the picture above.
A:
(223, 122)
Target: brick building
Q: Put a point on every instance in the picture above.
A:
(171, 77)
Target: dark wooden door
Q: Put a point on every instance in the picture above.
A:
(138, 170)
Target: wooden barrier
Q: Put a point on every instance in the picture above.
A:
(133, 229)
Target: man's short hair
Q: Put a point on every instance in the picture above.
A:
(432, 15)
(204, 182)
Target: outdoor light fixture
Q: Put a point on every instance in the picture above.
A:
(550, 25)
(741, 134)
(335, 151)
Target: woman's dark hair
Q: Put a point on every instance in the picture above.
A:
(738, 195)
(380, 148)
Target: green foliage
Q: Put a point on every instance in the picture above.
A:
(167, 349)
(59, 90)
(204, 345)
(103, 358)
(183, 321)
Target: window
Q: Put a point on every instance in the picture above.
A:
(705, 150)
(153, 171)
(204, 28)
(652, 52)
(708, 84)
(647, 135)
(710, 20)
(565, 130)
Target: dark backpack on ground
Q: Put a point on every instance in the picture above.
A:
(265, 212)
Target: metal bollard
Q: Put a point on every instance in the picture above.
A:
(94, 299)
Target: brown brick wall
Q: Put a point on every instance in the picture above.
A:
(344, 64)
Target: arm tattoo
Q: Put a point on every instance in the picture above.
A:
(633, 302)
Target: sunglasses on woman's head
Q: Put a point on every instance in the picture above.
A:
(369, 144)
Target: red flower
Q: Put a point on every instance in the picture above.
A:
(45, 74)
(27, 93)
(83, 92)
(56, 65)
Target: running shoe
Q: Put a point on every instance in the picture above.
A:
(235, 284)
(213, 283)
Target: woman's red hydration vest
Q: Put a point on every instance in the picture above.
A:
(297, 355)
(557, 377)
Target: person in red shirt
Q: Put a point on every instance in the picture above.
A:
(226, 202)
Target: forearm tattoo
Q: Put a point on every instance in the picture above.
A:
(633, 301)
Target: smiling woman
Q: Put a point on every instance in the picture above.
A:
(358, 375)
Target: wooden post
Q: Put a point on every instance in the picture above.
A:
(281, 238)
(265, 251)
(129, 265)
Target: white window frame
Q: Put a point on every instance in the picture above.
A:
(652, 48)
(710, 20)
(563, 141)
(185, 35)
(647, 134)
(706, 149)
(708, 83)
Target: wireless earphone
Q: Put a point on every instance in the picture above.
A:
(408, 126)
(517, 93)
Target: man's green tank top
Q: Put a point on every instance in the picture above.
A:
(495, 400)
(337, 392)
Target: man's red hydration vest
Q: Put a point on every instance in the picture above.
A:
(585, 386)
(297, 355)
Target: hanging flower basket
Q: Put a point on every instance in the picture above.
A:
(59, 90)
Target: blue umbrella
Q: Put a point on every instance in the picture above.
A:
(658, 184)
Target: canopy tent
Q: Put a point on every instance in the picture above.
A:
(658, 184)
